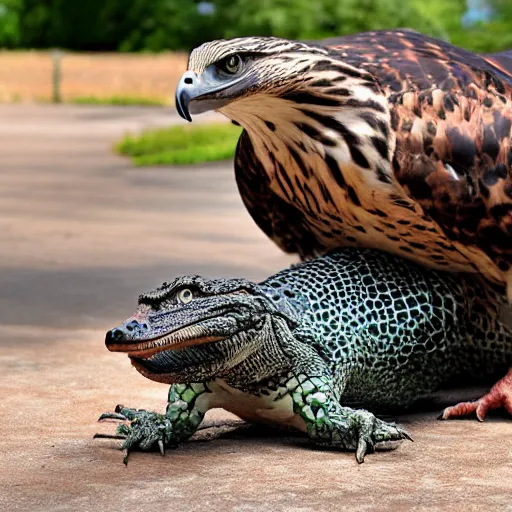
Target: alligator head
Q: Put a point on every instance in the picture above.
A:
(194, 329)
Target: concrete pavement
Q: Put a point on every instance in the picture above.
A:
(82, 232)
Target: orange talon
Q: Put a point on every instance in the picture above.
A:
(500, 395)
(461, 409)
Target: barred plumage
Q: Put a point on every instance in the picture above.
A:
(390, 140)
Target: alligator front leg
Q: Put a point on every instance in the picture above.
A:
(329, 424)
(187, 405)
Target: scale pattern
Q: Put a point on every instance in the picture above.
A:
(391, 331)
(310, 347)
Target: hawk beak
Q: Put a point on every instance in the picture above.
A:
(197, 94)
(185, 93)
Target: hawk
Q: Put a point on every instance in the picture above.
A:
(390, 140)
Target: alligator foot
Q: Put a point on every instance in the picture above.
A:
(145, 430)
(499, 396)
(370, 433)
(358, 430)
(330, 424)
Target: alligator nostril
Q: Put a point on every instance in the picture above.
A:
(117, 334)
(114, 336)
(188, 81)
(132, 325)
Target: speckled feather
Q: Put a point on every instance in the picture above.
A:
(451, 111)
(390, 139)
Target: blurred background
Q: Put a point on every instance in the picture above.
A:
(110, 45)
(105, 192)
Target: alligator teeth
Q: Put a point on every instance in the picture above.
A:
(190, 335)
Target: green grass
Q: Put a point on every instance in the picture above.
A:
(181, 145)
(118, 100)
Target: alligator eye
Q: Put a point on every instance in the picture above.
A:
(232, 64)
(185, 296)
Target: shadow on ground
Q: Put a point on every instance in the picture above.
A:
(82, 233)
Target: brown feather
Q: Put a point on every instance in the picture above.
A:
(452, 109)
(390, 139)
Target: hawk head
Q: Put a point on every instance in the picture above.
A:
(240, 76)
(222, 72)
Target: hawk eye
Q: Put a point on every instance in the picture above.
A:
(185, 296)
(231, 64)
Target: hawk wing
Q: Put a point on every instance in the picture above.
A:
(451, 113)
(279, 220)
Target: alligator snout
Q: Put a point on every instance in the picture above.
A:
(125, 333)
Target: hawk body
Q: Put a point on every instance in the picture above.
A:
(389, 140)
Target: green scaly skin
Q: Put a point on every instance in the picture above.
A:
(328, 424)
(180, 421)
(353, 327)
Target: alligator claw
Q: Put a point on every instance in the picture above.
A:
(364, 447)
(406, 435)
(112, 416)
(108, 436)
(375, 434)
(145, 430)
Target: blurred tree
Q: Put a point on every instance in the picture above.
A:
(446, 14)
(82, 25)
(171, 24)
(10, 23)
(155, 25)
(351, 16)
(36, 23)
(85, 25)
(290, 19)
(491, 32)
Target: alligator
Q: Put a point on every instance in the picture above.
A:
(310, 348)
